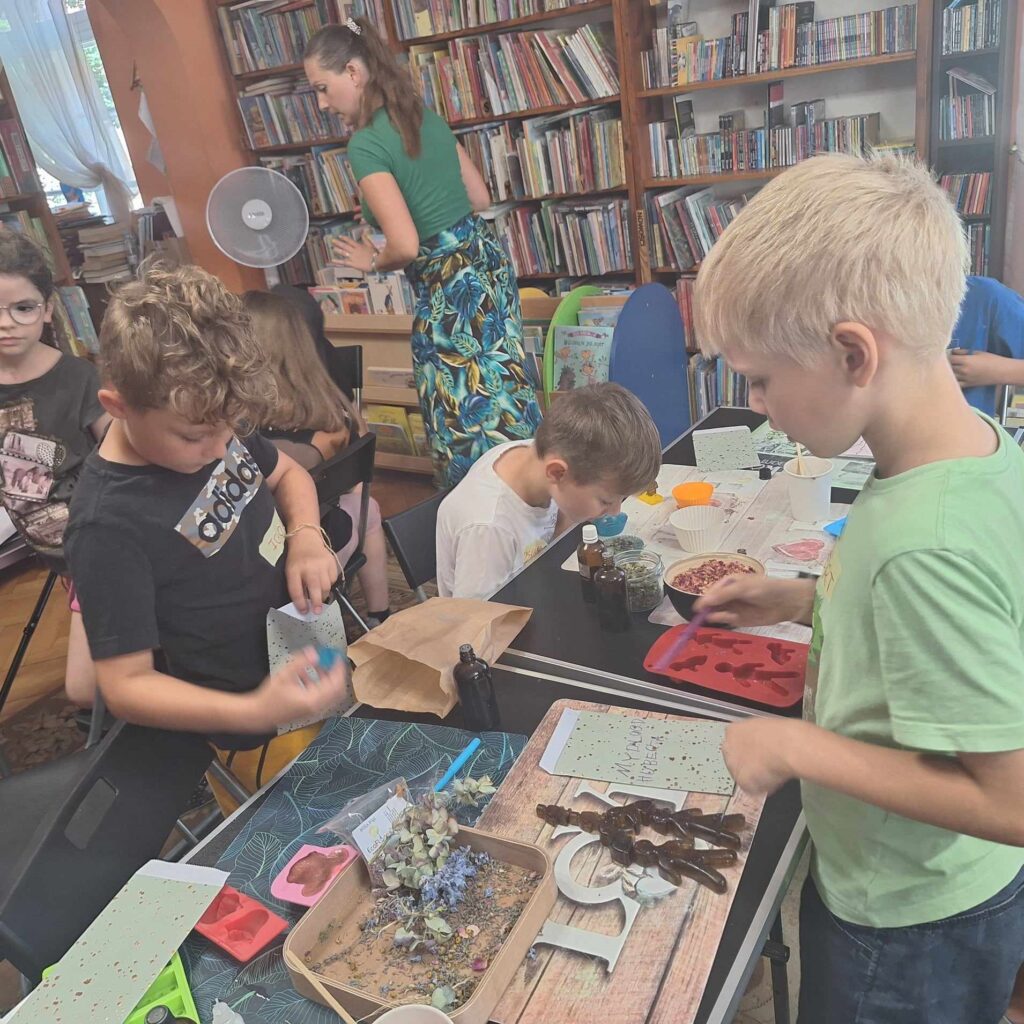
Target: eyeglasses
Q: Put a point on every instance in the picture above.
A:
(24, 313)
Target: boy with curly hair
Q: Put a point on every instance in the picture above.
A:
(184, 531)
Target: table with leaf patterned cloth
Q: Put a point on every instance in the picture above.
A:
(350, 757)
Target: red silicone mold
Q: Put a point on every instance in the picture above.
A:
(240, 925)
(757, 668)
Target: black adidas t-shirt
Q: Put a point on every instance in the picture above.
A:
(188, 563)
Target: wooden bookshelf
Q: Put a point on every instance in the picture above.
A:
(298, 147)
(258, 73)
(510, 24)
(519, 115)
(405, 463)
(982, 154)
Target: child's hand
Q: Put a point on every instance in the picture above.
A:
(310, 570)
(978, 369)
(300, 689)
(748, 600)
(755, 753)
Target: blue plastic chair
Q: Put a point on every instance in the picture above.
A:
(649, 358)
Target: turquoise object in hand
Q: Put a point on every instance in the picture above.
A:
(329, 657)
(610, 526)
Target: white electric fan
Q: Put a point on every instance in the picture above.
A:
(258, 218)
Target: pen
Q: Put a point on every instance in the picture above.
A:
(457, 764)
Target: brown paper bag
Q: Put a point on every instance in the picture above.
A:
(406, 663)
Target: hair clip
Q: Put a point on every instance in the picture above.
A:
(353, 27)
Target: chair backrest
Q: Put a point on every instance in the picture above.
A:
(306, 455)
(351, 467)
(412, 536)
(345, 366)
(108, 810)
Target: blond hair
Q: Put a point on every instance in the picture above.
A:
(603, 432)
(837, 238)
(178, 339)
(307, 398)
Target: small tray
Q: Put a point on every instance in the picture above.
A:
(292, 892)
(756, 668)
(170, 989)
(240, 925)
(350, 898)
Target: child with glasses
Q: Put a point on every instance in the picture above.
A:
(50, 417)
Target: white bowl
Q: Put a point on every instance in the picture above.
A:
(698, 528)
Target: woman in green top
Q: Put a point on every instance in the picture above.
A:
(420, 187)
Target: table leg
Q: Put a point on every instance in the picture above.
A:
(777, 953)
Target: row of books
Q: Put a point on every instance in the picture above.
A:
(17, 166)
(973, 26)
(969, 192)
(758, 149)
(383, 294)
(266, 35)
(313, 263)
(502, 74)
(579, 238)
(542, 156)
(786, 36)
(967, 117)
(399, 431)
(283, 110)
(323, 176)
(679, 56)
(978, 236)
(712, 384)
(685, 222)
(792, 38)
(431, 17)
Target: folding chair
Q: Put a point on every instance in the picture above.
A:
(345, 367)
(77, 828)
(351, 467)
(412, 536)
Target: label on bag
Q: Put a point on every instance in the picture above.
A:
(372, 834)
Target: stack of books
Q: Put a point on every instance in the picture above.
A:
(515, 71)
(323, 176)
(971, 26)
(71, 219)
(969, 192)
(581, 152)
(270, 33)
(105, 254)
(416, 18)
(283, 110)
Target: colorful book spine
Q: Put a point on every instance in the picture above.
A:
(969, 192)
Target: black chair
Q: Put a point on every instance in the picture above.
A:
(351, 467)
(412, 536)
(345, 367)
(75, 829)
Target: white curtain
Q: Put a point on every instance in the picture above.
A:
(69, 128)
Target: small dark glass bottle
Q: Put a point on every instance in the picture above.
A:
(589, 556)
(162, 1015)
(612, 598)
(476, 692)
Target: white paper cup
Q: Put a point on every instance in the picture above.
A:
(414, 1014)
(698, 528)
(810, 495)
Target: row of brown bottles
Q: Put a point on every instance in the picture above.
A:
(602, 582)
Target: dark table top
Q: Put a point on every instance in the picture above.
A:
(563, 634)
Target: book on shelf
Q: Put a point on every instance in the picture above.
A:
(283, 110)
(686, 222)
(391, 425)
(316, 255)
(485, 75)
(969, 109)
(429, 17)
(21, 165)
(767, 38)
(581, 356)
(969, 192)
(533, 349)
(760, 149)
(418, 431)
(323, 176)
(978, 239)
(559, 153)
(971, 26)
(712, 384)
(77, 307)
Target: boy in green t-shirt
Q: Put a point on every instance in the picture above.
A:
(835, 292)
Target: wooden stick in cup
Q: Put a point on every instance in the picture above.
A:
(801, 469)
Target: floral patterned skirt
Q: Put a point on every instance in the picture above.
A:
(467, 348)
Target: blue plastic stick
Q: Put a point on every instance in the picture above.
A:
(329, 657)
(457, 764)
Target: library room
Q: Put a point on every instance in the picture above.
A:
(511, 512)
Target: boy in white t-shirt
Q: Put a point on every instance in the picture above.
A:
(596, 446)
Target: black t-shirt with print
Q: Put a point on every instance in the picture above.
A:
(188, 563)
(44, 439)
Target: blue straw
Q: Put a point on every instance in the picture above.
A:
(457, 764)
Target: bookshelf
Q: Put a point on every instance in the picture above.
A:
(975, 169)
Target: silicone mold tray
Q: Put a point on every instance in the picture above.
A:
(240, 925)
(333, 860)
(757, 668)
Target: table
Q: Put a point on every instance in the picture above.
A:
(524, 696)
(563, 636)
